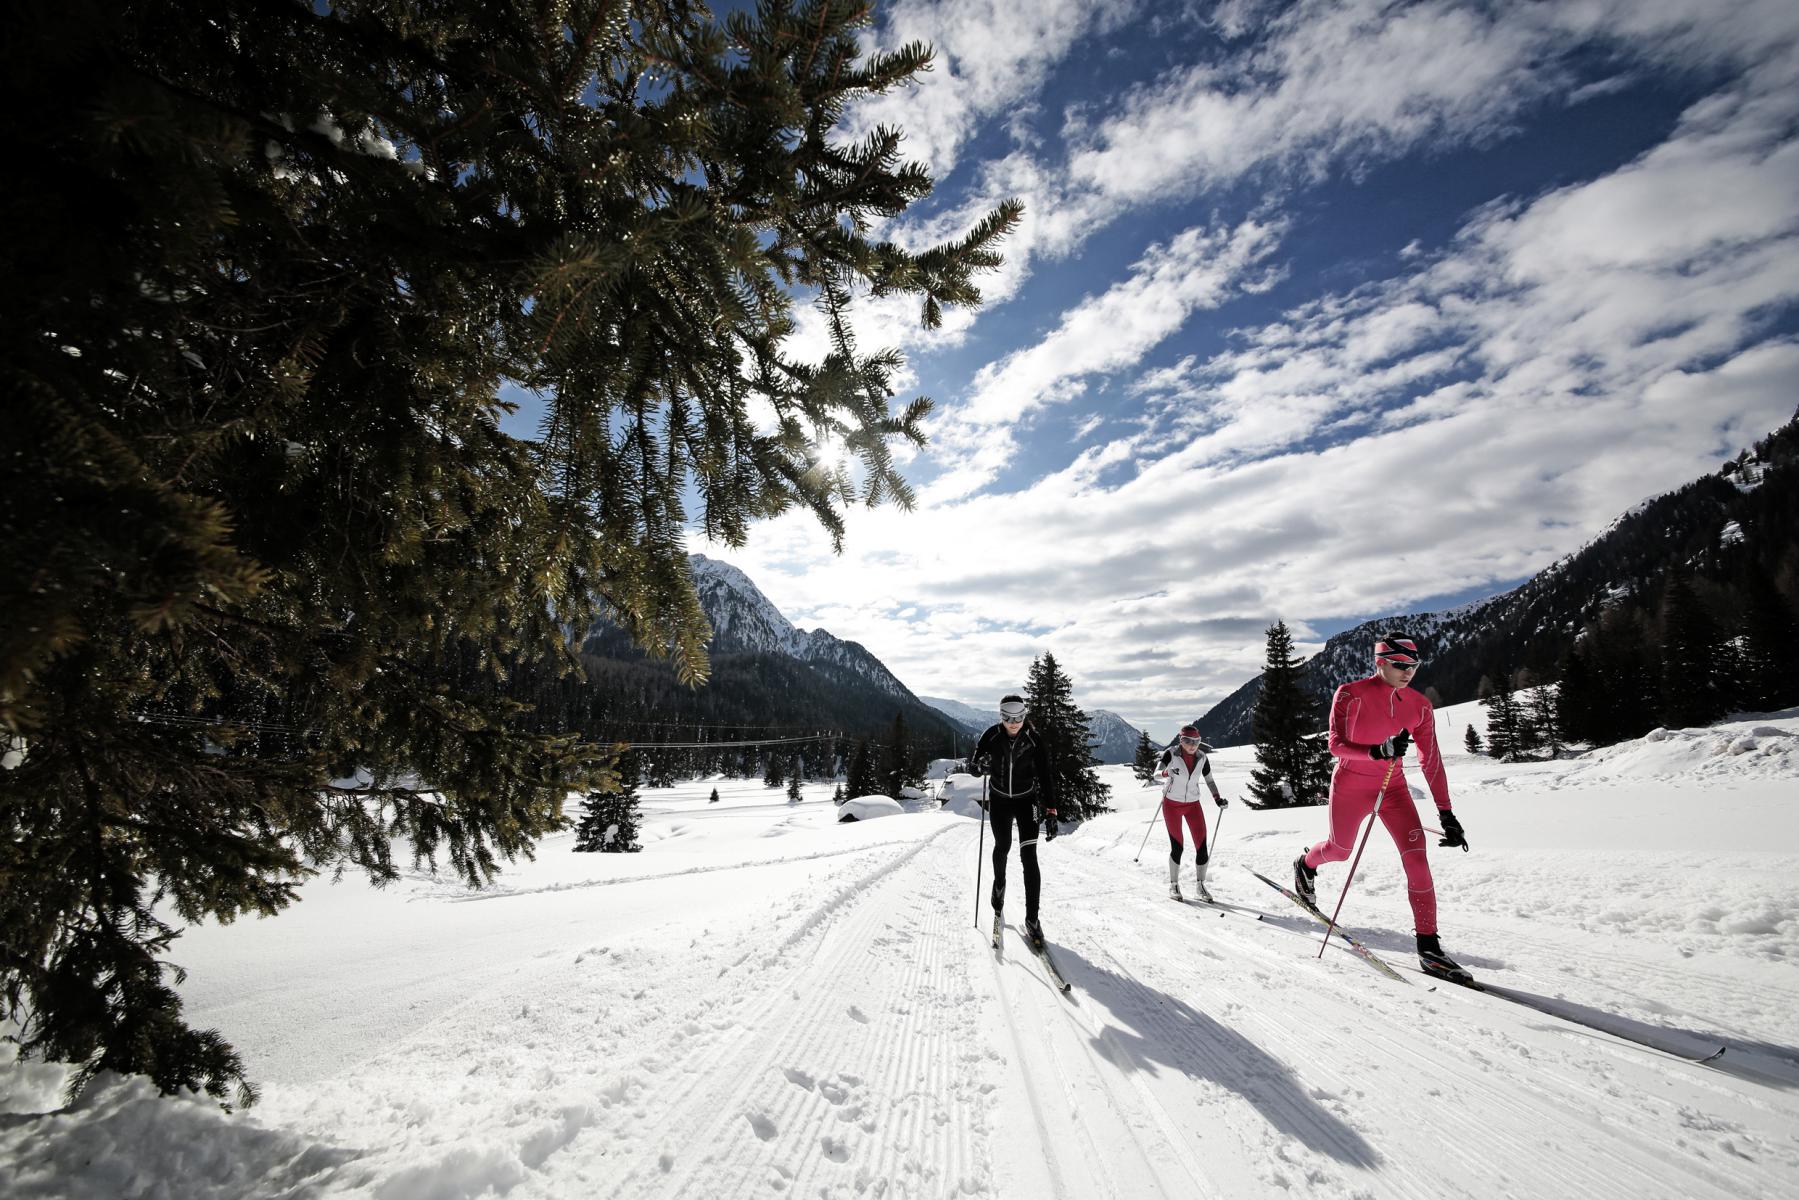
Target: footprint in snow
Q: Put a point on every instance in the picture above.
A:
(834, 1150)
(798, 1078)
(765, 1128)
(858, 1015)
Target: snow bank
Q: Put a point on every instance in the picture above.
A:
(1744, 750)
(866, 808)
(961, 794)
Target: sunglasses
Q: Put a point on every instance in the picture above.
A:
(1187, 741)
(1399, 666)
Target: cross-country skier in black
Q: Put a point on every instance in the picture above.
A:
(1015, 759)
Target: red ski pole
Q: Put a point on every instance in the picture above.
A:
(1373, 817)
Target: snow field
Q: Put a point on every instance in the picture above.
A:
(765, 1002)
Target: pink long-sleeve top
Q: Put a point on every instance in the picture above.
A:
(1366, 712)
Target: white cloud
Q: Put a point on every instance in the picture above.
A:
(1492, 408)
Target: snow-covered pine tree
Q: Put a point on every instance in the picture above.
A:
(1143, 762)
(1049, 695)
(1293, 761)
(774, 773)
(609, 819)
(1472, 740)
(293, 256)
(837, 796)
(793, 788)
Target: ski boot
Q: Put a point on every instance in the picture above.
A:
(1435, 962)
(1033, 933)
(1302, 881)
(1200, 890)
(1174, 881)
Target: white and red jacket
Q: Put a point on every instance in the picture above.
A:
(1184, 776)
(1366, 712)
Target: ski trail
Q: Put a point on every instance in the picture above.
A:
(1483, 1088)
(851, 1061)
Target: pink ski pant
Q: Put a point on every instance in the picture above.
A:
(1172, 813)
(1352, 799)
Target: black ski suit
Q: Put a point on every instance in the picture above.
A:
(1019, 782)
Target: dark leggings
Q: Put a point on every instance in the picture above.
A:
(1001, 813)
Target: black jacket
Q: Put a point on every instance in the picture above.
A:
(1016, 767)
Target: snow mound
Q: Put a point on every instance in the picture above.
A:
(961, 794)
(866, 808)
(130, 1139)
(1740, 750)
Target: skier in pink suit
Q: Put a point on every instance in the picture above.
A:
(1372, 722)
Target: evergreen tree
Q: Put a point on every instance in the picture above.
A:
(793, 788)
(861, 781)
(774, 774)
(1575, 698)
(609, 819)
(899, 766)
(1769, 656)
(1691, 686)
(1293, 763)
(284, 260)
(1472, 740)
(714, 797)
(1545, 719)
(1527, 734)
(837, 796)
(1143, 763)
(1502, 721)
(1049, 695)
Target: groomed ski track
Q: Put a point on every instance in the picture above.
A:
(866, 1041)
(805, 1009)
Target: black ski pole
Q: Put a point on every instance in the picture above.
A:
(980, 855)
(1147, 828)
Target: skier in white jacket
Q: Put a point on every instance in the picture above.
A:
(1187, 769)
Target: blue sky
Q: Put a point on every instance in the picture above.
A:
(1320, 311)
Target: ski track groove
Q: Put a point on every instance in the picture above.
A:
(747, 1126)
(1266, 1093)
(1561, 1082)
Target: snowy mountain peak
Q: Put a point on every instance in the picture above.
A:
(744, 621)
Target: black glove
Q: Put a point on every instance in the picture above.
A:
(1049, 824)
(1452, 830)
(1393, 747)
(1222, 802)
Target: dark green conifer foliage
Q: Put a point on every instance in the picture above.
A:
(1770, 646)
(1692, 653)
(793, 789)
(900, 767)
(1503, 719)
(1143, 762)
(1293, 763)
(1049, 695)
(714, 797)
(861, 780)
(268, 559)
(774, 773)
(609, 819)
(1471, 740)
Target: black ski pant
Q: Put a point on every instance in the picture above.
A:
(1002, 813)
